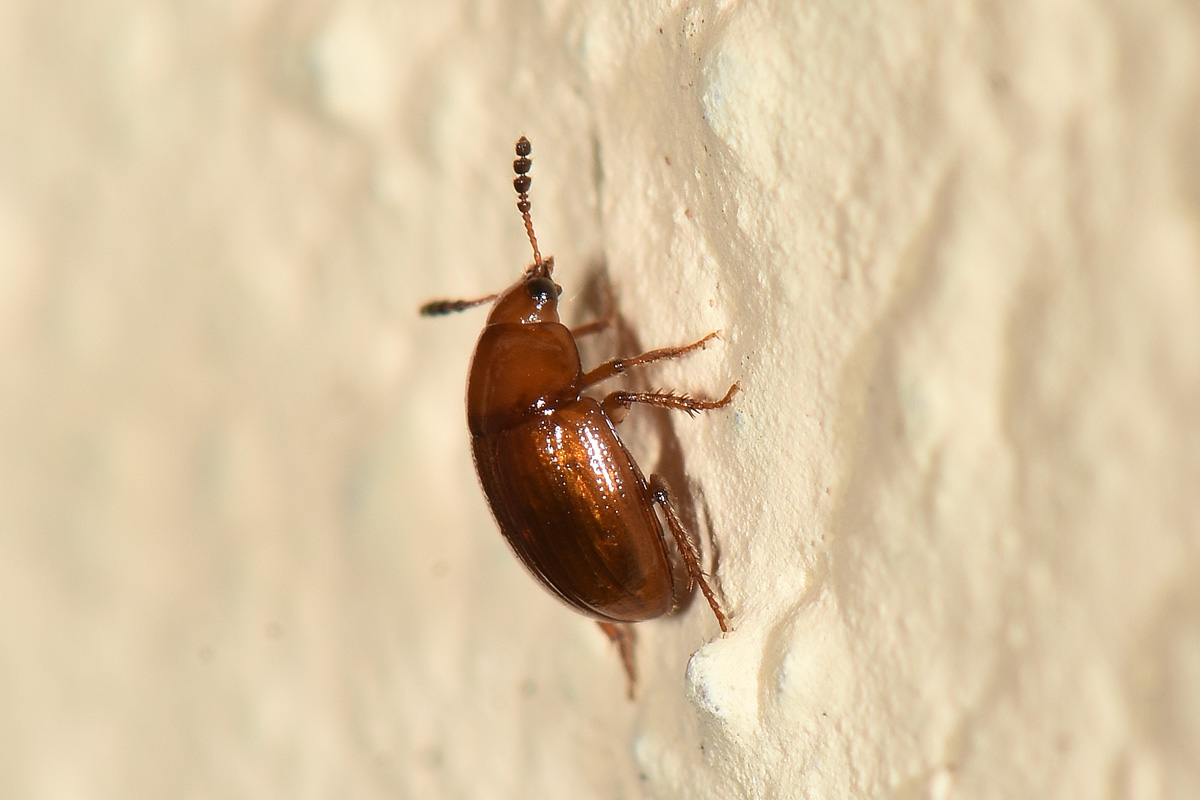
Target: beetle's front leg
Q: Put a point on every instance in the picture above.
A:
(621, 634)
(617, 366)
(595, 326)
(603, 322)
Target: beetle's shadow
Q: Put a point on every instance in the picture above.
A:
(596, 300)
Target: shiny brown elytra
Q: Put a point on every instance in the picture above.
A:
(566, 493)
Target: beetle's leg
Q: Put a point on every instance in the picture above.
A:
(622, 636)
(595, 326)
(617, 366)
(602, 322)
(691, 558)
(617, 403)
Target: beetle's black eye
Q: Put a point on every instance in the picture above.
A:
(558, 289)
(543, 290)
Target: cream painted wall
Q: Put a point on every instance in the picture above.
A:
(954, 249)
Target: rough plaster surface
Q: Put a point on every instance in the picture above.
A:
(954, 249)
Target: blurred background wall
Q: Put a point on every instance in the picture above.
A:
(954, 252)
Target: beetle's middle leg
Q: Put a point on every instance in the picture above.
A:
(616, 404)
(691, 558)
(618, 366)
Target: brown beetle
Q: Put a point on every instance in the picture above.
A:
(565, 491)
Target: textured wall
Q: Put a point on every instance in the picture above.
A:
(954, 249)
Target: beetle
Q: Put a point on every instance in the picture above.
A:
(564, 490)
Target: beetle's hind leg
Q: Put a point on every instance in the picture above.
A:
(621, 634)
(687, 549)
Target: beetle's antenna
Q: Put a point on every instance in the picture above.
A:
(521, 183)
(435, 308)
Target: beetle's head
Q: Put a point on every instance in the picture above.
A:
(532, 299)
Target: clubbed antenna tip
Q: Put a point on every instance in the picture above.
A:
(522, 183)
